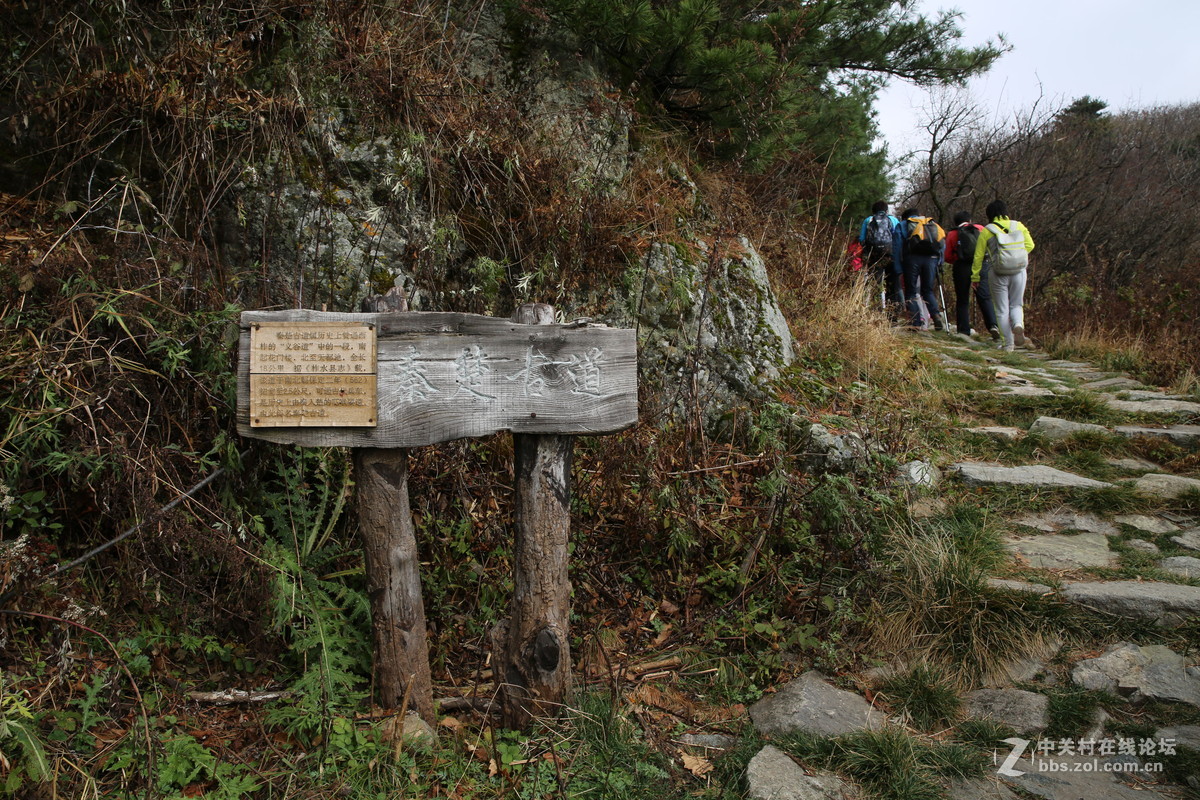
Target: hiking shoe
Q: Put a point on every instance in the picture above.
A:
(1019, 336)
(995, 332)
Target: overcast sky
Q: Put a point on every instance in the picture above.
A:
(1129, 54)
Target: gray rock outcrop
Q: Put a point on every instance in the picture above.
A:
(1054, 521)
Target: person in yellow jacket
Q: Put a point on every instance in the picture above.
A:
(1006, 244)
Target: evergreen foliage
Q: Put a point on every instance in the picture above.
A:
(769, 79)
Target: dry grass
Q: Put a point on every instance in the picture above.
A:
(937, 607)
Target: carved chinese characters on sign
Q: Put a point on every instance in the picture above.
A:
(479, 375)
(312, 374)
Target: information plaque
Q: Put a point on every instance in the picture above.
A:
(312, 374)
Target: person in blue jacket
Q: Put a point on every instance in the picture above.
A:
(875, 235)
(920, 270)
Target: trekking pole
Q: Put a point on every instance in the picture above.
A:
(942, 297)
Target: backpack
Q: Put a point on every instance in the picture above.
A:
(924, 236)
(964, 248)
(1006, 249)
(879, 232)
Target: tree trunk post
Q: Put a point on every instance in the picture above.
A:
(536, 663)
(401, 649)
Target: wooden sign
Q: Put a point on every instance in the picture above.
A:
(443, 376)
(312, 374)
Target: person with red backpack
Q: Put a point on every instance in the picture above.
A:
(960, 255)
(918, 246)
(1006, 245)
(875, 236)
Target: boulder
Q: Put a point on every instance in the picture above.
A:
(1142, 546)
(1054, 428)
(1183, 566)
(1166, 486)
(1024, 712)
(829, 452)
(976, 474)
(1168, 605)
(772, 775)
(810, 704)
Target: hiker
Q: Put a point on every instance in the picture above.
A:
(960, 255)
(918, 245)
(1006, 244)
(875, 236)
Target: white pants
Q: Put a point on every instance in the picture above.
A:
(1008, 295)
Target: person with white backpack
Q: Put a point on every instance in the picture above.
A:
(1006, 244)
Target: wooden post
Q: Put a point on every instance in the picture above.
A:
(401, 658)
(536, 662)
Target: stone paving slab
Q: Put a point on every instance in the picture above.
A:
(1153, 406)
(999, 432)
(1025, 391)
(976, 474)
(1183, 566)
(1146, 523)
(1168, 605)
(810, 704)
(1054, 428)
(1167, 486)
(1057, 777)
(1182, 435)
(1189, 540)
(1067, 519)
(1019, 586)
(1063, 552)
(1134, 464)
(1156, 394)
(1113, 383)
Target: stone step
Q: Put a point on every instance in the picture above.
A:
(1038, 475)
(1182, 435)
(1167, 605)
(1166, 486)
(1153, 406)
(1055, 551)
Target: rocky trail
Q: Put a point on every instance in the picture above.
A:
(1106, 531)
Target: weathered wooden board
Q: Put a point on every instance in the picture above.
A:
(444, 376)
(312, 374)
